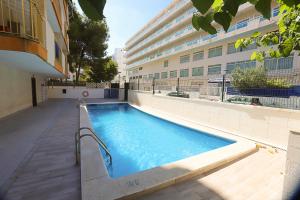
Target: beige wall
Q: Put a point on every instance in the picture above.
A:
(15, 90)
(263, 124)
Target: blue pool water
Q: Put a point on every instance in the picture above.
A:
(138, 141)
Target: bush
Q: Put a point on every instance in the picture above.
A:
(278, 84)
(249, 78)
(256, 78)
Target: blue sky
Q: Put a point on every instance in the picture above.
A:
(126, 17)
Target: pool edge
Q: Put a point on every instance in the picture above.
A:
(96, 183)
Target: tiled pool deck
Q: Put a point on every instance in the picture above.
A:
(38, 153)
(39, 143)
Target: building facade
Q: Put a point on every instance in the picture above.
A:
(118, 57)
(169, 47)
(33, 48)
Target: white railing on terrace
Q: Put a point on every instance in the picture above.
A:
(185, 16)
(23, 18)
(167, 40)
(239, 28)
(136, 37)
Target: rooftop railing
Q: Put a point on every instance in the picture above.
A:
(23, 18)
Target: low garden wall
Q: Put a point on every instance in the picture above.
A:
(75, 92)
(263, 124)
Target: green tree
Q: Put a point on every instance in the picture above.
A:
(105, 70)
(111, 69)
(87, 42)
(93, 9)
(287, 38)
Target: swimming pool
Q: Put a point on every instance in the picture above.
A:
(139, 141)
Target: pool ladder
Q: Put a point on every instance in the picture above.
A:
(78, 136)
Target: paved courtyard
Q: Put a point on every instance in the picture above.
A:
(256, 177)
(37, 153)
(38, 163)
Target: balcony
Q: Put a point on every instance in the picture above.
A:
(179, 5)
(183, 18)
(24, 19)
(23, 37)
(255, 23)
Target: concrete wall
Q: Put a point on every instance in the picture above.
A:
(74, 93)
(15, 90)
(263, 124)
(292, 167)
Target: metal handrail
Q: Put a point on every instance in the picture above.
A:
(95, 137)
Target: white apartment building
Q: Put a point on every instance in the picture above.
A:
(169, 47)
(118, 57)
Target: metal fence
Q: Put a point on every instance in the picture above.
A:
(24, 18)
(220, 87)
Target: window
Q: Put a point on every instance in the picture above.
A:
(57, 51)
(173, 74)
(184, 72)
(156, 75)
(164, 75)
(178, 19)
(197, 71)
(150, 76)
(177, 48)
(185, 59)
(178, 33)
(275, 12)
(279, 63)
(198, 55)
(214, 52)
(145, 77)
(214, 69)
(191, 42)
(242, 24)
(231, 48)
(166, 63)
(241, 64)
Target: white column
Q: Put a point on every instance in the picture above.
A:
(292, 166)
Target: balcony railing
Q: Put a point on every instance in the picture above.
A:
(175, 22)
(251, 24)
(23, 18)
(178, 6)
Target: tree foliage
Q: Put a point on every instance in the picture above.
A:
(105, 70)
(287, 38)
(249, 78)
(87, 42)
(93, 9)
